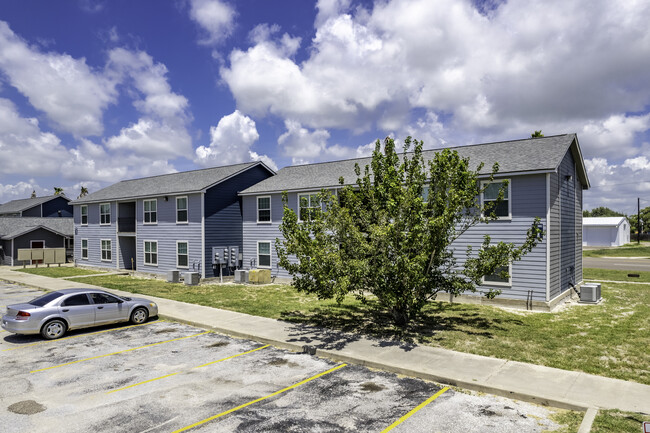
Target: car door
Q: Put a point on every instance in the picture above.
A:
(108, 308)
(78, 311)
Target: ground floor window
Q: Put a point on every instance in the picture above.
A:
(151, 253)
(182, 255)
(497, 279)
(84, 248)
(264, 254)
(106, 250)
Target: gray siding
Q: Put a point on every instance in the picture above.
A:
(223, 215)
(567, 222)
(554, 271)
(95, 233)
(5, 258)
(32, 212)
(578, 215)
(166, 232)
(51, 208)
(52, 240)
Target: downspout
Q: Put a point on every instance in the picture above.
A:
(203, 261)
(548, 237)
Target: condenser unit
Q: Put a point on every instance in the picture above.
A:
(590, 293)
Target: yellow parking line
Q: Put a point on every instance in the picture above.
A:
(196, 424)
(417, 408)
(172, 374)
(117, 353)
(80, 335)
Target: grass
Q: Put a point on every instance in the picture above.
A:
(59, 272)
(627, 250)
(616, 421)
(609, 339)
(612, 275)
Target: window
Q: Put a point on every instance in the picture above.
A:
(309, 206)
(182, 255)
(264, 254)
(81, 299)
(491, 193)
(264, 209)
(150, 211)
(84, 249)
(496, 279)
(106, 250)
(425, 193)
(181, 209)
(84, 215)
(103, 298)
(105, 214)
(45, 299)
(151, 253)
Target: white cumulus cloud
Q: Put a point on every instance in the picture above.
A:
(214, 17)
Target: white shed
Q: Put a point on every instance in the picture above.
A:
(605, 231)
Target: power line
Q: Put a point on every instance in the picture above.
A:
(616, 184)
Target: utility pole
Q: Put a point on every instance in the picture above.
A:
(638, 220)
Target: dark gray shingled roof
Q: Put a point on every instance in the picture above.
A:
(173, 183)
(11, 227)
(518, 156)
(17, 206)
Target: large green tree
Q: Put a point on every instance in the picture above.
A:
(390, 234)
(601, 211)
(645, 218)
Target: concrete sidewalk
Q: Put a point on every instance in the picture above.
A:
(545, 385)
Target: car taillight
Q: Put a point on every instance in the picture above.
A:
(22, 315)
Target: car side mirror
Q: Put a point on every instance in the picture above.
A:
(119, 301)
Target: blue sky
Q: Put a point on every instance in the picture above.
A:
(93, 91)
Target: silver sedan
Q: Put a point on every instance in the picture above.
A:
(52, 314)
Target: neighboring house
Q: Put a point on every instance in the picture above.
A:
(547, 176)
(50, 206)
(605, 231)
(33, 232)
(162, 223)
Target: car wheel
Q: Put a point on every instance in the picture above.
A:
(139, 315)
(53, 329)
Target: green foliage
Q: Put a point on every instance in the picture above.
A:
(390, 234)
(83, 192)
(645, 219)
(537, 134)
(601, 212)
(58, 190)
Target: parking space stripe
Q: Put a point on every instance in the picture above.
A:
(172, 374)
(295, 385)
(80, 335)
(121, 351)
(417, 408)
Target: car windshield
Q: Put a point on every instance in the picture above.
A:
(45, 299)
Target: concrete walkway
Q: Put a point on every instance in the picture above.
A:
(545, 385)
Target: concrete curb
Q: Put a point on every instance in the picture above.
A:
(588, 420)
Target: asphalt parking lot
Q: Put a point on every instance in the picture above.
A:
(166, 377)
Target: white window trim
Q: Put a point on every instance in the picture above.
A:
(188, 254)
(110, 219)
(101, 249)
(500, 284)
(81, 247)
(487, 182)
(257, 201)
(270, 254)
(144, 253)
(143, 212)
(307, 194)
(187, 210)
(81, 214)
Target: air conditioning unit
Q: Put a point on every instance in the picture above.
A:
(590, 293)
(241, 276)
(173, 276)
(191, 278)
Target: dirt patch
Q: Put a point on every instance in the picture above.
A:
(371, 387)
(280, 361)
(165, 331)
(218, 344)
(26, 407)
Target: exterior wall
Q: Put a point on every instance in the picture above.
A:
(567, 222)
(578, 229)
(554, 226)
(606, 236)
(32, 212)
(528, 276)
(223, 215)
(528, 202)
(166, 232)
(52, 240)
(51, 208)
(6, 248)
(95, 233)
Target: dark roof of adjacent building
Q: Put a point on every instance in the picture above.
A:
(12, 227)
(514, 157)
(185, 182)
(17, 206)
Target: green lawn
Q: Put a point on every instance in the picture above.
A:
(59, 272)
(612, 275)
(627, 250)
(608, 339)
(608, 421)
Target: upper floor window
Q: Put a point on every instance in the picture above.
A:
(181, 209)
(105, 213)
(309, 206)
(490, 196)
(264, 209)
(84, 215)
(150, 211)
